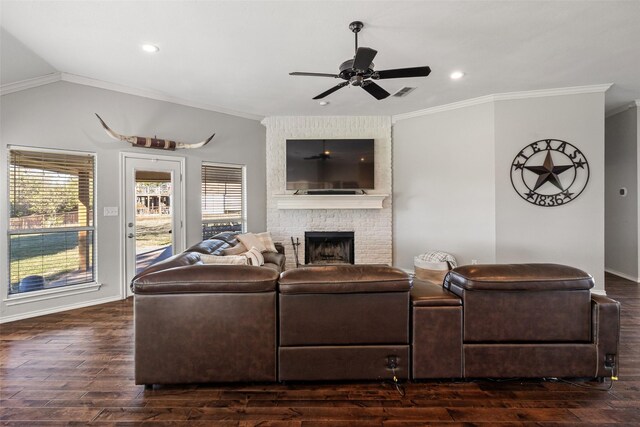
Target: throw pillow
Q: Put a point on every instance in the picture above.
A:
(235, 250)
(255, 257)
(229, 260)
(267, 241)
(250, 240)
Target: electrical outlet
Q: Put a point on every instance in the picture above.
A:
(392, 362)
(474, 261)
(609, 361)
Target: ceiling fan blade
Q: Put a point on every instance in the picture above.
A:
(404, 72)
(330, 91)
(375, 90)
(364, 58)
(298, 73)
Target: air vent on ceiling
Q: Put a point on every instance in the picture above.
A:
(404, 91)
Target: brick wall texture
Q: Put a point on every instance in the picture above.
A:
(372, 227)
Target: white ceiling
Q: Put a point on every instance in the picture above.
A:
(236, 55)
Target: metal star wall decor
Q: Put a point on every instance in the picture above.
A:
(549, 172)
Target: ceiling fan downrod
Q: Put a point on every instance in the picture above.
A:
(356, 26)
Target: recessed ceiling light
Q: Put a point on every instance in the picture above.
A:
(324, 103)
(151, 48)
(457, 75)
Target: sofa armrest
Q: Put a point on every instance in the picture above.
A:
(605, 320)
(179, 260)
(276, 258)
(279, 247)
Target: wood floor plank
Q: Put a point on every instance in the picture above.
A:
(45, 414)
(76, 368)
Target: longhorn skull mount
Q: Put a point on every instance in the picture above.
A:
(141, 141)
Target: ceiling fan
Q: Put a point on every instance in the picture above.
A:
(359, 71)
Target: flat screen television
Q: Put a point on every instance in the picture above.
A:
(330, 164)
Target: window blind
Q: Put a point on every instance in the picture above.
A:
(51, 219)
(222, 198)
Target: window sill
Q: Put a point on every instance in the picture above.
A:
(46, 294)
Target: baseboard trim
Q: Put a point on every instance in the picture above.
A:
(37, 313)
(623, 275)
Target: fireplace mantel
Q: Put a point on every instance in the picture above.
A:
(330, 201)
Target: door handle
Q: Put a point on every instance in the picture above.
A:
(130, 235)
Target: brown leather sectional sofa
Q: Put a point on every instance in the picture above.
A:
(343, 323)
(199, 323)
(514, 320)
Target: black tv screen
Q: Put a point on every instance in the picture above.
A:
(326, 164)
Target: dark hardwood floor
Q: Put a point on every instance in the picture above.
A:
(76, 368)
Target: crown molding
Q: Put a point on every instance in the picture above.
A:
(101, 84)
(442, 108)
(621, 109)
(504, 97)
(21, 85)
(574, 90)
(158, 96)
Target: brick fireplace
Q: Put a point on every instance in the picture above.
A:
(372, 228)
(328, 247)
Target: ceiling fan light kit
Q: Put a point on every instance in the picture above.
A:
(359, 71)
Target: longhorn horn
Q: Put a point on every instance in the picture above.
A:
(115, 135)
(196, 145)
(140, 141)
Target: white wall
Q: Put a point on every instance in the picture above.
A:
(61, 115)
(571, 234)
(452, 188)
(443, 185)
(18, 61)
(621, 213)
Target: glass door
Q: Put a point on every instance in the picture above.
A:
(153, 221)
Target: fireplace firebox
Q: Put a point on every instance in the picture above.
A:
(328, 247)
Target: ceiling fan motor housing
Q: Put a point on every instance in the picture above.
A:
(347, 71)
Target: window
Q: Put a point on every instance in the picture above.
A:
(223, 198)
(51, 219)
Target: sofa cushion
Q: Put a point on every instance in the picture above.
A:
(207, 279)
(267, 241)
(343, 279)
(250, 240)
(522, 277)
(211, 246)
(523, 303)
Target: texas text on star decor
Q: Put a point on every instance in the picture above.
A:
(549, 172)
